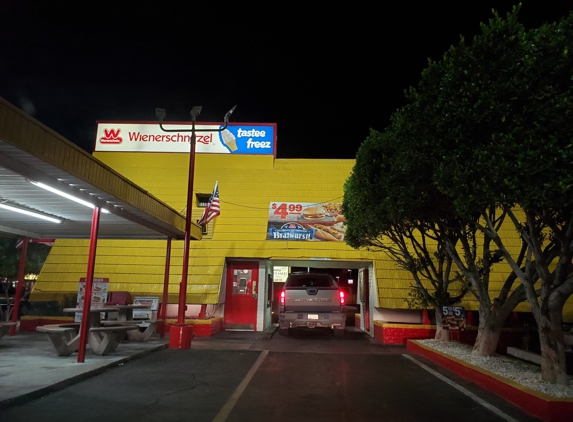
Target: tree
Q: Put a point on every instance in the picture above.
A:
(499, 113)
(10, 257)
(10, 262)
(391, 207)
(475, 259)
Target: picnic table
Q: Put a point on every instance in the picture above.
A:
(126, 311)
(125, 317)
(5, 327)
(94, 317)
(103, 339)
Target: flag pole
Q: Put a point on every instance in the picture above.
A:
(180, 334)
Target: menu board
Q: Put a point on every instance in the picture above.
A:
(99, 294)
(280, 274)
(305, 221)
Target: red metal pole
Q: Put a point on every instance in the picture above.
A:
(89, 286)
(185, 269)
(203, 311)
(163, 315)
(20, 285)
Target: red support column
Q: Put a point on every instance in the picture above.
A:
(163, 315)
(188, 223)
(84, 327)
(426, 318)
(203, 312)
(20, 285)
(180, 334)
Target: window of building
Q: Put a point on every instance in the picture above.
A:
(202, 199)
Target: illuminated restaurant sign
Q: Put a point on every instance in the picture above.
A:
(237, 138)
(321, 222)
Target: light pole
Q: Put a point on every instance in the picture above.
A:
(180, 334)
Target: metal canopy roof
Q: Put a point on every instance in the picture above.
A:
(30, 151)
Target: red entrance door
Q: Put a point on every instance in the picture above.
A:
(241, 295)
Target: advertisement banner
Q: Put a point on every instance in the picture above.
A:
(454, 318)
(321, 222)
(99, 295)
(240, 138)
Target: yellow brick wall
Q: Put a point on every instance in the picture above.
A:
(247, 185)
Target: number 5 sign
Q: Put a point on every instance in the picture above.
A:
(454, 318)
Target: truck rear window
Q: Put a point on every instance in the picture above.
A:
(310, 282)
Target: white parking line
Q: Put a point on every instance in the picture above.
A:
(227, 407)
(464, 391)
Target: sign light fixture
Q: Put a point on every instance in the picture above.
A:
(30, 213)
(66, 195)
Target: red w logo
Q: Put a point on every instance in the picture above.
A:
(111, 136)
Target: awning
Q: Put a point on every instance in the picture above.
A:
(31, 152)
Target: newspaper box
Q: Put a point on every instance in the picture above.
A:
(151, 313)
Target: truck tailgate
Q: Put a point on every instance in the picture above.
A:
(312, 299)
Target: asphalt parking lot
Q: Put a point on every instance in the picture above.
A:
(234, 376)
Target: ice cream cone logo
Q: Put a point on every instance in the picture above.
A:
(229, 140)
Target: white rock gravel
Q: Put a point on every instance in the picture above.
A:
(520, 372)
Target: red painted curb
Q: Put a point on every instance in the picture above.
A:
(550, 409)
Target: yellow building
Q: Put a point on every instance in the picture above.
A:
(259, 194)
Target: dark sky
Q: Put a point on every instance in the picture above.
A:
(325, 72)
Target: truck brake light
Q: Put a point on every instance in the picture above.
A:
(282, 301)
(341, 293)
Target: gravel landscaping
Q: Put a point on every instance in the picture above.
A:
(523, 373)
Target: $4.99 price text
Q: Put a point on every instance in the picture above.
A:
(284, 209)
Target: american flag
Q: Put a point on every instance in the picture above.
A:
(212, 209)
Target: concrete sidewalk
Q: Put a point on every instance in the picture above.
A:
(29, 367)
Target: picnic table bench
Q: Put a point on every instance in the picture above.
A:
(105, 339)
(5, 327)
(149, 325)
(65, 338)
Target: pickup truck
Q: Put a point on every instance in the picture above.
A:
(311, 300)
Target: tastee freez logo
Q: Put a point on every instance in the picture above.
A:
(254, 133)
(111, 136)
(258, 144)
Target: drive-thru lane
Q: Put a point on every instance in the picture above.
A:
(331, 387)
(312, 377)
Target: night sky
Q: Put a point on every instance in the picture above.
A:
(325, 72)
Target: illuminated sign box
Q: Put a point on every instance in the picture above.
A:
(240, 138)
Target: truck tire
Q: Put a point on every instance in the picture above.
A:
(339, 332)
(283, 331)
